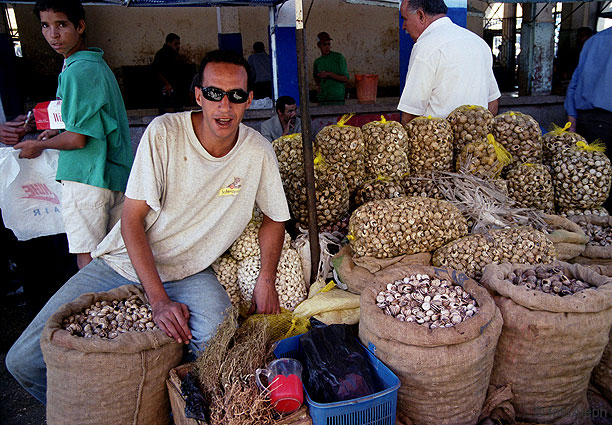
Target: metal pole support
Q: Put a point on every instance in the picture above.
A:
(313, 231)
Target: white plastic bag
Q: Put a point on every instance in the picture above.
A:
(302, 245)
(29, 194)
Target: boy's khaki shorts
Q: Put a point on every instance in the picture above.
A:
(89, 213)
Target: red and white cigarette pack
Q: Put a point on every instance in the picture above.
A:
(48, 115)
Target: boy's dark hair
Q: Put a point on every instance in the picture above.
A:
(171, 37)
(283, 101)
(72, 8)
(226, 56)
(259, 47)
(430, 7)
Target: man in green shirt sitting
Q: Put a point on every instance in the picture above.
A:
(330, 73)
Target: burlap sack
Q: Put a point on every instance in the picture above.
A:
(602, 373)
(444, 372)
(549, 344)
(604, 270)
(568, 237)
(98, 381)
(357, 273)
(588, 261)
(595, 252)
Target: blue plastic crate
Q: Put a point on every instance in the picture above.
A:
(375, 409)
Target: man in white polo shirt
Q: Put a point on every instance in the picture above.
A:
(449, 65)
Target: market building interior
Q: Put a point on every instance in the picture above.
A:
(535, 48)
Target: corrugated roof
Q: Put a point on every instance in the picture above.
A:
(202, 3)
(169, 3)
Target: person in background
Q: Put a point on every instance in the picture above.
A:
(196, 179)
(261, 67)
(330, 73)
(582, 35)
(95, 150)
(449, 65)
(284, 122)
(12, 131)
(165, 68)
(588, 101)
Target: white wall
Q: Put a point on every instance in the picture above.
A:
(368, 36)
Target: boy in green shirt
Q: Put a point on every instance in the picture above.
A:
(96, 154)
(330, 73)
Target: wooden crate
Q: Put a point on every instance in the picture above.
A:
(177, 402)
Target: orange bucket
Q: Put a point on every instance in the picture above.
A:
(366, 87)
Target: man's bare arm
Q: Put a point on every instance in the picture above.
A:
(265, 297)
(172, 317)
(67, 140)
(494, 106)
(406, 118)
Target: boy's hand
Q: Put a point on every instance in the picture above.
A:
(47, 134)
(29, 149)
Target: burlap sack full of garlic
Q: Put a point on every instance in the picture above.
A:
(238, 271)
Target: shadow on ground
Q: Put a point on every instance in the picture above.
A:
(17, 406)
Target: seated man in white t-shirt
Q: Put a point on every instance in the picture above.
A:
(195, 180)
(449, 65)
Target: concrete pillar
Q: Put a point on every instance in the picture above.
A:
(457, 12)
(228, 29)
(507, 50)
(537, 49)
(286, 51)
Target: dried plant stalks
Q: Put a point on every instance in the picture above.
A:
(208, 365)
(484, 204)
(225, 372)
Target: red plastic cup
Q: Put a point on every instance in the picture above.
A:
(285, 384)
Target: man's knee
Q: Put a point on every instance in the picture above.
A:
(12, 362)
(15, 362)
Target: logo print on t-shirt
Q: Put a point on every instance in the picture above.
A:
(232, 189)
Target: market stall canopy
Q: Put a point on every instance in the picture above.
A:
(204, 3)
(395, 3)
(201, 3)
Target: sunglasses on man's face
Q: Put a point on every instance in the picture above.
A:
(215, 94)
